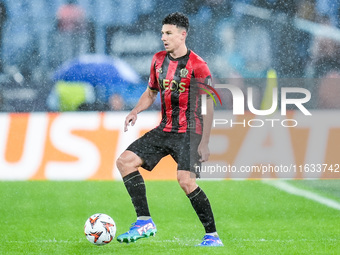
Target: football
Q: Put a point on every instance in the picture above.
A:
(100, 229)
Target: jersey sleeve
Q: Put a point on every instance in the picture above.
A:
(203, 77)
(153, 84)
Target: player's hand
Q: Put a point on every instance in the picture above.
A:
(203, 151)
(130, 120)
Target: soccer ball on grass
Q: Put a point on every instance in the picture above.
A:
(100, 229)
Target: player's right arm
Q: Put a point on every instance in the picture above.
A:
(147, 98)
(145, 101)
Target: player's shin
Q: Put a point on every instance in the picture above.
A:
(135, 186)
(202, 207)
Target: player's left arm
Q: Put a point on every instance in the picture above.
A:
(203, 148)
(203, 73)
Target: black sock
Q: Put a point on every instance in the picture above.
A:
(201, 205)
(135, 186)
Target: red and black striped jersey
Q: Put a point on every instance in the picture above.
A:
(178, 81)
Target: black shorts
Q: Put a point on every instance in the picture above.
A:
(156, 144)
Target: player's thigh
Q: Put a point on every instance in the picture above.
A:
(150, 148)
(185, 152)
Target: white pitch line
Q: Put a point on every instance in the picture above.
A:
(304, 193)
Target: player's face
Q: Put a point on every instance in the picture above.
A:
(172, 37)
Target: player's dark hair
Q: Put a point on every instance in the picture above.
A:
(178, 19)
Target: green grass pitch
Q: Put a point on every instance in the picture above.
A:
(45, 217)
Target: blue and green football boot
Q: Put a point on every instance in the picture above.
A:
(139, 229)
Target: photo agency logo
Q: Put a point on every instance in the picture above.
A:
(211, 92)
(299, 97)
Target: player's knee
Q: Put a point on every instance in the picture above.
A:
(128, 162)
(120, 163)
(187, 184)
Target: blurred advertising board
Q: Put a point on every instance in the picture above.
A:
(85, 146)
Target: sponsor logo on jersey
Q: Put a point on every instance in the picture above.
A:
(173, 85)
